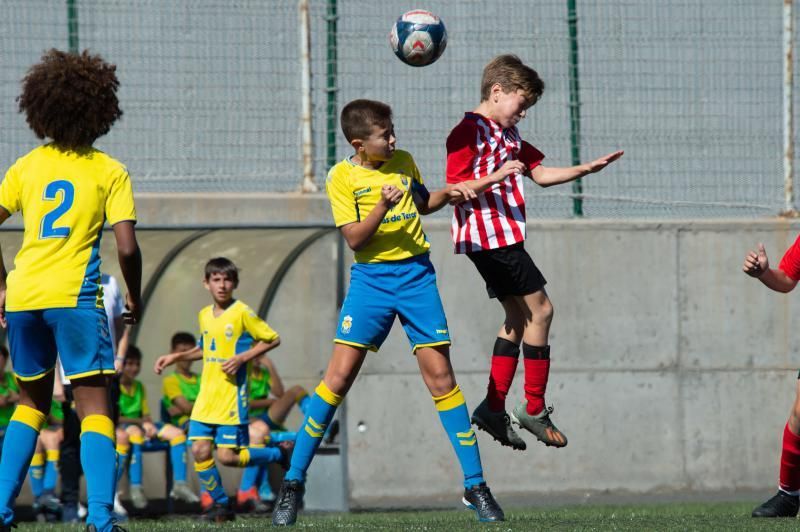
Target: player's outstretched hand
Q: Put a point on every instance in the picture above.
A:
(605, 160)
(460, 193)
(391, 195)
(162, 363)
(133, 310)
(756, 262)
(232, 365)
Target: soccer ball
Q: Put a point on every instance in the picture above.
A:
(418, 38)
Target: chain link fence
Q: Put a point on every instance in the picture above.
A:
(212, 92)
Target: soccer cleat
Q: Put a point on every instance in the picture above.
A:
(69, 514)
(539, 425)
(119, 509)
(114, 528)
(480, 499)
(50, 507)
(218, 513)
(498, 425)
(138, 498)
(82, 511)
(781, 505)
(206, 501)
(182, 492)
(289, 499)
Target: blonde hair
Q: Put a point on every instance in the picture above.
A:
(512, 75)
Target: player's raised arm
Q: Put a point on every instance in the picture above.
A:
(357, 234)
(546, 176)
(756, 264)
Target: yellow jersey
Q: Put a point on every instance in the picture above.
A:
(65, 198)
(354, 191)
(223, 398)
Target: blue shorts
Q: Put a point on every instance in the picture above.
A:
(79, 336)
(379, 292)
(268, 420)
(234, 436)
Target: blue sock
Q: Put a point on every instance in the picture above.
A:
(455, 419)
(122, 460)
(210, 480)
(177, 454)
(303, 404)
(135, 470)
(321, 409)
(36, 475)
(99, 461)
(249, 477)
(264, 488)
(18, 448)
(259, 456)
(51, 470)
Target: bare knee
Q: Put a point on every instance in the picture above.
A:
(50, 439)
(170, 432)
(227, 456)
(201, 450)
(122, 437)
(543, 313)
(258, 430)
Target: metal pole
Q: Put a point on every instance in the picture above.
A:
(788, 107)
(305, 89)
(574, 104)
(72, 25)
(330, 87)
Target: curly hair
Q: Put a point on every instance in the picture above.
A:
(70, 98)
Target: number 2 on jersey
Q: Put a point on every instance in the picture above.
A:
(48, 229)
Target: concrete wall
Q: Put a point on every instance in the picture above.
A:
(671, 368)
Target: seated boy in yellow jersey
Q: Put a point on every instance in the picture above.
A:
(145, 435)
(377, 195)
(53, 304)
(232, 336)
(180, 389)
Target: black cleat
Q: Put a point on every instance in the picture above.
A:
(498, 425)
(781, 505)
(480, 499)
(218, 513)
(289, 501)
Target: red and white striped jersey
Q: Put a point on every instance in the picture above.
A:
(496, 218)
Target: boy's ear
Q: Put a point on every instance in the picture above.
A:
(496, 91)
(357, 144)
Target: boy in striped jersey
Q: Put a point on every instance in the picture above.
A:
(485, 151)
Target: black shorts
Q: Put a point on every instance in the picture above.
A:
(508, 271)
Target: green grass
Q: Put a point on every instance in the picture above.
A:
(656, 517)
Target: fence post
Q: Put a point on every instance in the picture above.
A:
(305, 89)
(574, 104)
(788, 107)
(72, 26)
(330, 85)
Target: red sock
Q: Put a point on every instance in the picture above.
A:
(537, 371)
(504, 365)
(790, 461)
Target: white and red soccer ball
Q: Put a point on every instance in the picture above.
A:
(418, 38)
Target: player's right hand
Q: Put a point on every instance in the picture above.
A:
(391, 195)
(162, 363)
(133, 309)
(756, 262)
(510, 167)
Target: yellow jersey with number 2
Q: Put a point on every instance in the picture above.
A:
(65, 197)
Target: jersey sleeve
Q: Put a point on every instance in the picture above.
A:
(418, 187)
(530, 156)
(119, 203)
(258, 328)
(10, 192)
(340, 194)
(461, 150)
(171, 388)
(145, 406)
(790, 263)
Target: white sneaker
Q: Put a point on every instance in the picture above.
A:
(82, 511)
(118, 508)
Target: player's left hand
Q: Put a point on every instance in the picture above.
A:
(232, 365)
(756, 262)
(133, 310)
(460, 193)
(605, 160)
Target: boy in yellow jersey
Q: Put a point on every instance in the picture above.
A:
(376, 196)
(232, 336)
(51, 302)
(144, 434)
(180, 389)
